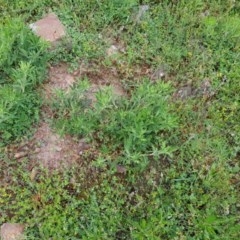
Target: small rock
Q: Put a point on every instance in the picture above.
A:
(184, 92)
(121, 169)
(58, 149)
(49, 28)
(117, 90)
(205, 89)
(33, 174)
(83, 145)
(73, 180)
(12, 231)
(82, 142)
(112, 50)
(19, 155)
(205, 14)
(159, 73)
(121, 29)
(37, 150)
(141, 12)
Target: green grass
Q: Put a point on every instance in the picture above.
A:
(22, 67)
(181, 156)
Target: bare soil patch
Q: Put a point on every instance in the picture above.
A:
(100, 76)
(53, 151)
(58, 78)
(12, 231)
(47, 148)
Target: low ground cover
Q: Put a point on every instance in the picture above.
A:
(163, 158)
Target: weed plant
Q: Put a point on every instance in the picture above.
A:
(22, 67)
(139, 126)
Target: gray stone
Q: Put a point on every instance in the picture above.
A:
(141, 12)
(49, 28)
(184, 92)
(205, 89)
(160, 73)
(118, 90)
(12, 231)
(121, 169)
(112, 50)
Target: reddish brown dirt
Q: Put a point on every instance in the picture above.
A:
(58, 78)
(100, 76)
(53, 151)
(49, 28)
(48, 149)
(11, 231)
